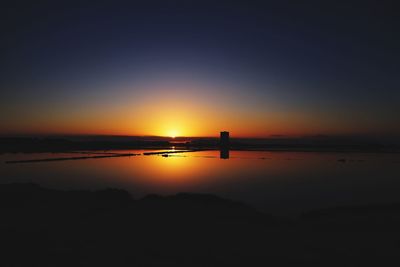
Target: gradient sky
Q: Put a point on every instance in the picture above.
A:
(255, 68)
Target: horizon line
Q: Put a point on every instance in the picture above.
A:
(211, 136)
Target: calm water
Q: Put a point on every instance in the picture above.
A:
(276, 182)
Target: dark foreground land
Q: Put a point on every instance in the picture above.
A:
(44, 227)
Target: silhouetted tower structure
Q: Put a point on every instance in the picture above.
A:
(224, 145)
(224, 139)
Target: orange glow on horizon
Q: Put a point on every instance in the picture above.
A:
(182, 111)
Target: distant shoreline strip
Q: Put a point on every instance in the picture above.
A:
(110, 155)
(70, 158)
(170, 152)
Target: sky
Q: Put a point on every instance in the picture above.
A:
(194, 68)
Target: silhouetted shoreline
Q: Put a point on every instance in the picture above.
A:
(72, 158)
(318, 144)
(47, 227)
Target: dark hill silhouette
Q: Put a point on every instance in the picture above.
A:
(45, 227)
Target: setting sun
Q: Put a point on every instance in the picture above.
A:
(172, 133)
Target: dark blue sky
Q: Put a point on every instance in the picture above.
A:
(336, 62)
